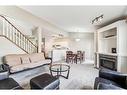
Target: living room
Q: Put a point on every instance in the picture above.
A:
(70, 52)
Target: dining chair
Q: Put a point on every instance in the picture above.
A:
(79, 56)
(83, 56)
(69, 57)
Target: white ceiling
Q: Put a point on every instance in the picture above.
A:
(76, 18)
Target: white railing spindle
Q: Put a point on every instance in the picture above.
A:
(24, 42)
(3, 31)
(9, 31)
(6, 32)
(13, 34)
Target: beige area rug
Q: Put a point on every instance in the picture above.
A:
(81, 76)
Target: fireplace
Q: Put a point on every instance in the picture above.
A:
(108, 61)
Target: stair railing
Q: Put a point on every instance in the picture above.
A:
(9, 31)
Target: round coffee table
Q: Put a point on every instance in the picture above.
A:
(59, 69)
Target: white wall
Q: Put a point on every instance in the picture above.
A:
(86, 43)
(63, 42)
(49, 39)
(48, 44)
(7, 47)
(25, 27)
(23, 16)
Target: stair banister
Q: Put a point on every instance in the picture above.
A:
(14, 35)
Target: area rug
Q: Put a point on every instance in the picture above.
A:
(81, 77)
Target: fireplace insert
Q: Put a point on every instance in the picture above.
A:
(108, 61)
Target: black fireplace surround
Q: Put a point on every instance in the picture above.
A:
(108, 61)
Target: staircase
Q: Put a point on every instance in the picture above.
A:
(10, 32)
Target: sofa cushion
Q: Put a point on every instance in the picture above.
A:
(102, 80)
(37, 57)
(25, 59)
(103, 86)
(32, 65)
(46, 61)
(36, 64)
(12, 60)
(17, 68)
(21, 67)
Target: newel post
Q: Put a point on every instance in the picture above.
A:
(39, 34)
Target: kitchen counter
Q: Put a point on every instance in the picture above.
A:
(58, 55)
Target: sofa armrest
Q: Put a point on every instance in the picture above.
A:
(103, 86)
(3, 67)
(49, 58)
(117, 77)
(7, 67)
(4, 75)
(3, 72)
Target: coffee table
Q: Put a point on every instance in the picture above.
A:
(59, 69)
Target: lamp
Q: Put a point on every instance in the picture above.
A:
(97, 19)
(78, 37)
(77, 40)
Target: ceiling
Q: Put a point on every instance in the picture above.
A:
(76, 18)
